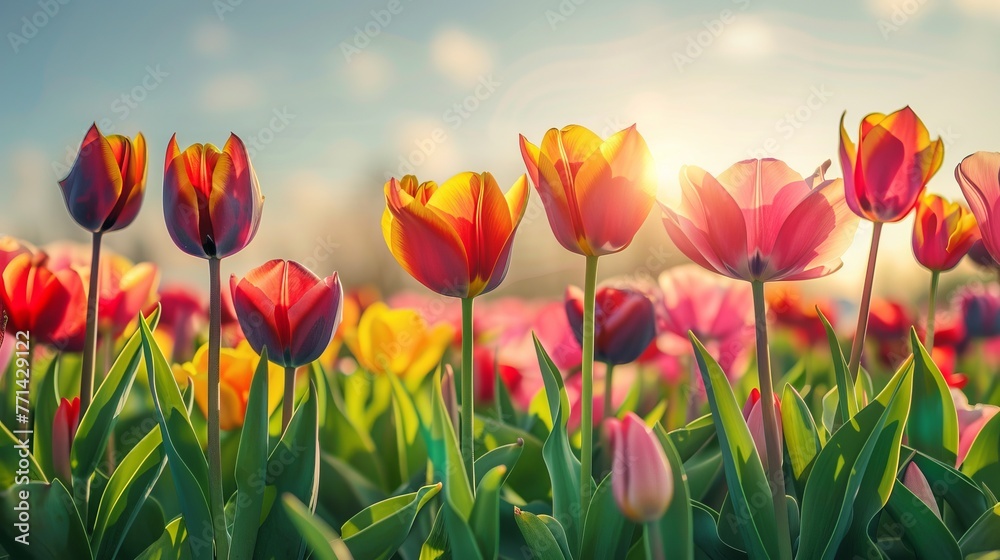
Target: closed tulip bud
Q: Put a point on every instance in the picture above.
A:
(104, 190)
(624, 322)
(641, 479)
(64, 426)
(754, 416)
(211, 198)
(889, 167)
(942, 233)
(915, 481)
(283, 306)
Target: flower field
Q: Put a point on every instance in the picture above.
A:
(714, 412)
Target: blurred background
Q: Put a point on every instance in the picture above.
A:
(335, 97)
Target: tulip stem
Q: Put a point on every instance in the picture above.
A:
(218, 504)
(107, 359)
(608, 412)
(587, 392)
(288, 398)
(866, 299)
(654, 542)
(90, 342)
(931, 310)
(468, 406)
(771, 444)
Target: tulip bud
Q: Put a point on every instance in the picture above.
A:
(624, 323)
(641, 479)
(104, 190)
(915, 481)
(64, 426)
(754, 416)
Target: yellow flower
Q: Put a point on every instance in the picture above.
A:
(398, 341)
(236, 370)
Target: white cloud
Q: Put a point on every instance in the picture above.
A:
(460, 57)
(231, 92)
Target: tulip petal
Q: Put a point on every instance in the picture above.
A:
(979, 177)
(94, 184)
(235, 202)
(559, 201)
(767, 190)
(262, 319)
(134, 180)
(880, 162)
(314, 316)
(715, 222)
(181, 205)
(568, 149)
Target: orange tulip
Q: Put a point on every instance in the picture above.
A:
(890, 166)
(455, 239)
(942, 233)
(126, 289)
(596, 193)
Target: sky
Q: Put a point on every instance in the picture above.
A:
(335, 97)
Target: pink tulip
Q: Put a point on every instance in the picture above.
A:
(641, 479)
(971, 420)
(753, 414)
(979, 177)
(916, 482)
(760, 221)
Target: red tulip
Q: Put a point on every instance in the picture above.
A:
(979, 177)
(641, 478)
(64, 426)
(942, 233)
(596, 193)
(760, 221)
(456, 239)
(754, 416)
(624, 322)
(104, 190)
(283, 306)
(487, 365)
(211, 199)
(890, 166)
(183, 314)
(126, 289)
(51, 304)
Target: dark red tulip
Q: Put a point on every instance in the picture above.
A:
(104, 190)
(64, 426)
(283, 306)
(211, 199)
(624, 322)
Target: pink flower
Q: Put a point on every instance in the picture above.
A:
(916, 482)
(979, 177)
(971, 420)
(760, 221)
(754, 415)
(641, 479)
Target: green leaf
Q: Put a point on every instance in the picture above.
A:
(172, 544)
(921, 528)
(960, 492)
(690, 439)
(607, 532)
(801, 437)
(676, 525)
(539, 537)
(186, 461)
(126, 492)
(933, 425)
(847, 407)
(292, 468)
(748, 485)
(251, 465)
(343, 491)
(12, 451)
(411, 448)
(984, 535)
(99, 420)
(982, 463)
(321, 539)
(55, 529)
(485, 518)
(341, 436)
(379, 530)
(846, 464)
(46, 405)
(560, 460)
(493, 434)
(707, 543)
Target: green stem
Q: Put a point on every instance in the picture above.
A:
(608, 412)
(866, 300)
(654, 542)
(218, 503)
(90, 340)
(587, 393)
(931, 309)
(288, 398)
(468, 406)
(775, 474)
(107, 359)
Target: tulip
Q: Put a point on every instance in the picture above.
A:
(596, 194)
(50, 304)
(398, 342)
(982, 257)
(64, 426)
(183, 313)
(979, 177)
(625, 324)
(455, 240)
(884, 176)
(284, 307)
(790, 309)
(915, 481)
(753, 414)
(971, 420)
(236, 367)
(126, 289)
(641, 478)
(212, 205)
(759, 221)
(350, 315)
(980, 306)
(488, 366)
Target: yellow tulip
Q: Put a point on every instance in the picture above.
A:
(397, 341)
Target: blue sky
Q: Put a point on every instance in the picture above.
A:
(335, 96)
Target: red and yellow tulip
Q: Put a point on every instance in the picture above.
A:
(942, 233)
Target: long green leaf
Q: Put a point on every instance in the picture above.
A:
(46, 405)
(607, 533)
(676, 525)
(960, 492)
(379, 530)
(933, 425)
(848, 406)
(984, 535)
(921, 527)
(251, 465)
(54, 528)
(539, 537)
(172, 544)
(801, 436)
(14, 450)
(321, 539)
(341, 436)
